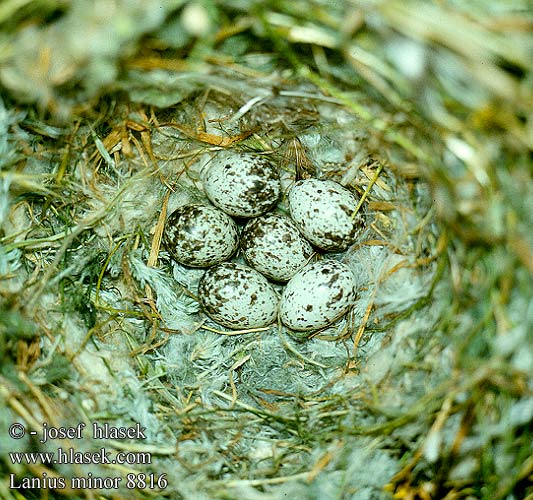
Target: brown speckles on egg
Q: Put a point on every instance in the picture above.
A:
(273, 245)
(237, 296)
(322, 210)
(200, 235)
(317, 295)
(242, 184)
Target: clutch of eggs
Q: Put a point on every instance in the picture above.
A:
(275, 246)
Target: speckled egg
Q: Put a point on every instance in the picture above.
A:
(273, 245)
(242, 184)
(237, 296)
(323, 211)
(200, 235)
(317, 295)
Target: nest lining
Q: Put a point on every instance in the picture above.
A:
(281, 389)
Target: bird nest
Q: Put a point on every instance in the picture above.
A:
(115, 384)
